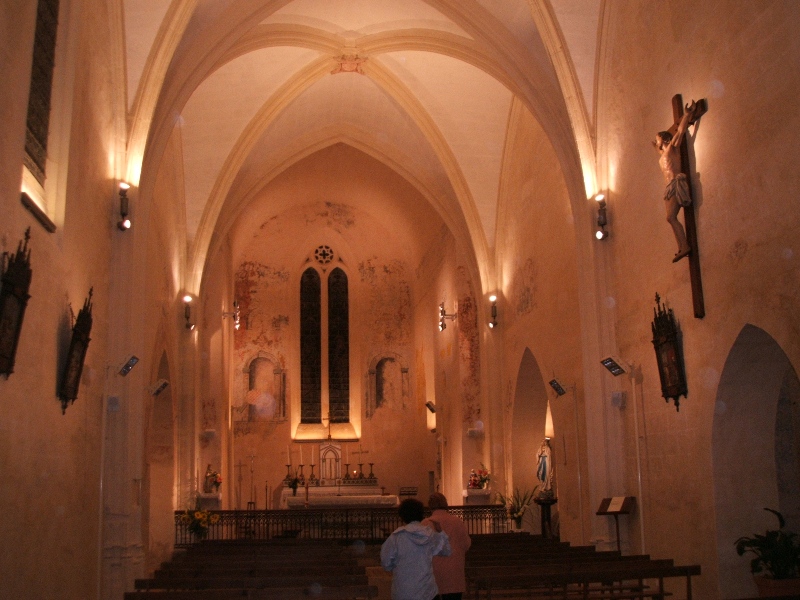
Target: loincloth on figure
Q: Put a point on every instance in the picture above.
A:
(678, 188)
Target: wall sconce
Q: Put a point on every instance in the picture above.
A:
(234, 314)
(614, 365)
(443, 316)
(187, 311)
(124, 222)
(493, 322)
(557, 387)
(602, 218)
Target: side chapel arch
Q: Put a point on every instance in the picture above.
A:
(528, 416)
(755, 450)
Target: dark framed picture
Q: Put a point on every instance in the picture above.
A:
(73, 366)
(669, 355)
(15, 282)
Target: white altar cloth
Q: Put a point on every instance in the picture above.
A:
(337, 496)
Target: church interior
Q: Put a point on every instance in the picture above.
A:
(414, 238)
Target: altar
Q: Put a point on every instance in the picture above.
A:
(337, 496)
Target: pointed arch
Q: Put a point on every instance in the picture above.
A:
(752, 421)
(528, 416)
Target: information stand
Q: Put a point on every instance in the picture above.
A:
(618, 505)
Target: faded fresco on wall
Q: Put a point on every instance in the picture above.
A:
(469, 350)
(524, 289)
(388, 294)
(260, 325)
(338, 217)
(259, 389)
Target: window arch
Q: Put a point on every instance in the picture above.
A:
(329, 385)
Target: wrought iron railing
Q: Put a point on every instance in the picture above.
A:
(327, 523)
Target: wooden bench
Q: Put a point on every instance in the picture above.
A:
(204, 582)
(581, 579)
(356, 592)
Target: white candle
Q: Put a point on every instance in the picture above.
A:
(346, 455)
(301, 454)
(288, 454)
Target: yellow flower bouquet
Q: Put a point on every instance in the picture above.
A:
(198, 521)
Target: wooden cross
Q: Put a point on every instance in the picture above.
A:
(688, 211)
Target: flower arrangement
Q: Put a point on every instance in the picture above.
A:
(479, 479)
(516, 504)
(198, 521)
(212, 480)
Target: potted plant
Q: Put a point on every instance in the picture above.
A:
(776, 566)
(516, 505)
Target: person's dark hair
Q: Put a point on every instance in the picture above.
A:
(666, 136)
(437, 500)
(410, 510)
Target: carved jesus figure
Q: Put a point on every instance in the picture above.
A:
(676, 193)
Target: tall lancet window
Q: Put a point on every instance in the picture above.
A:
(338, 347)
(310, 347)
(324, 380)
(44, 52)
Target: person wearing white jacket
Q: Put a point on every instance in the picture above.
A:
(408, 553)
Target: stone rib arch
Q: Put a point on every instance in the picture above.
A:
(275, 105)
(361, 140)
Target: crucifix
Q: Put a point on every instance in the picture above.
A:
(674, 162)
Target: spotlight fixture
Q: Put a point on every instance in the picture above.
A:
(557, 387)
(443, 316)
(158, 387)
(126, 368)
(124, 222)
(493, 322)
(614, 365)
(602, 218)
(187, 312)
(431, 406)
(234, 314)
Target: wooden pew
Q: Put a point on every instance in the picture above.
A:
(581, 579)
(357, 592)
(205, 582)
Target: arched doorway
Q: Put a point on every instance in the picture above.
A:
(159, 475)
(527, 430)
(754, 450)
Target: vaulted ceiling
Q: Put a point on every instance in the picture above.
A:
(251, 87)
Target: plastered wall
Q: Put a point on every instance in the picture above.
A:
(741, 58)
